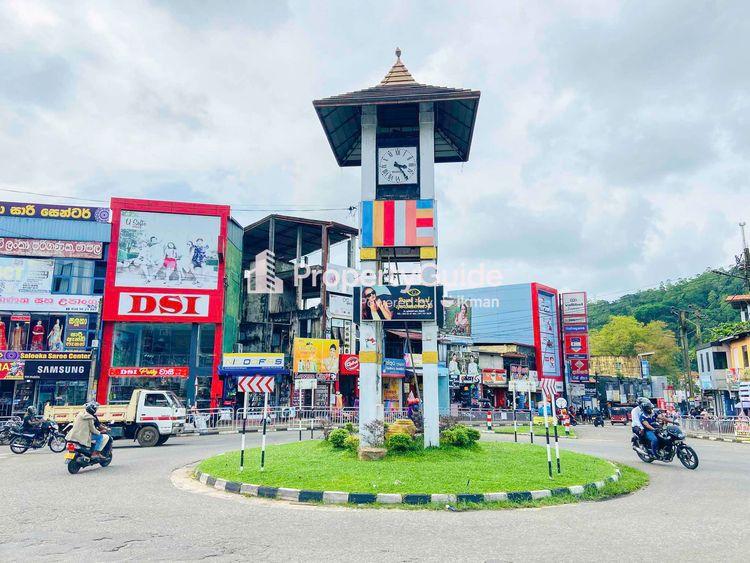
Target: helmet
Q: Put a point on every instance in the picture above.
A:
(647, 407)
(643, 402)
(31, 410)
(91, 407)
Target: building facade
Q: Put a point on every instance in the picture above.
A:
(170, 268)
(52, 277)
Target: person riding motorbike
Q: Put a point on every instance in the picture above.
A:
(85, 427)
(635, 417)
(31, 422)
(650, 419)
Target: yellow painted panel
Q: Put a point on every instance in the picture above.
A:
(369, 358)
(429, 358)
(428, 253)
(368, 253)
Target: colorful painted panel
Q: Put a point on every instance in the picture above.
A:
(388, 223)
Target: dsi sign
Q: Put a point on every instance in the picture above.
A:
(159, 305)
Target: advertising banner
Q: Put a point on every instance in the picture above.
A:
(181, 372)
(48, 211)
(457, 317)
(260, 362)
(494, 377)
(576, 344)
(51, 248)
(394, 367)
(390, 223)
(340, 306)
(395, 303)
(186, 305)
(50, 303)
(11, 369)
(315, 355)
(24, 276)
(348, 364)
(76, 332)
(168, 250)
(574, 304)
(548, 334)
(83, 355)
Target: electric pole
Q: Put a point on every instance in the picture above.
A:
(683, 326)
(742, 263)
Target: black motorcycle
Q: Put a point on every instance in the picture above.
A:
(598, 420)
(671, 443)
(47, 434)
(7, 428)
(79, 456)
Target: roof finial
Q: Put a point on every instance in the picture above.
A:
(398, 53)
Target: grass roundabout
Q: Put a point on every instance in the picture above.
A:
(454, 473)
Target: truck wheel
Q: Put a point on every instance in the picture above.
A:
(148, 436)
(162, 440)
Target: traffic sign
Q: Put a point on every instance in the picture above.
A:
(561, 402)
(255, 384)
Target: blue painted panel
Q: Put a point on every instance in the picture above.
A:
(500, 314)
(57, 229)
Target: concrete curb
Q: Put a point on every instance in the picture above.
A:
(342, 497)
(718, 439)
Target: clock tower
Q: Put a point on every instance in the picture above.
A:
(396, 132)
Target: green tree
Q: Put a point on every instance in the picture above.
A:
(626, 336)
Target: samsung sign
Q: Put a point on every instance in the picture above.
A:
(65, 370)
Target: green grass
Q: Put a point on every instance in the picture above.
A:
(538, 430)
(630, 481)
(489, 467)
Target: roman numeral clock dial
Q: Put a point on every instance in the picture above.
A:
(397, 165)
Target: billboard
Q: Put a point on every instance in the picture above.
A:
(548, 335)
(393, 367)
(396, 303)
(167, 250)
(181, 372)
(11, 366)
(576, 344)
(457, 316)
(575, 335)
(24, 276)
(51, 248)
(391, 223)
(315, 356)
(574, 304)
(340, 306)
(493, 377)
(49, 211)
(349, 364)
(255, 361)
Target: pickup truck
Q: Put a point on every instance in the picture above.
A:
(151, 417)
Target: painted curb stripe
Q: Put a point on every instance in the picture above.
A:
(310, 496)
(341, 497)
(362, 498)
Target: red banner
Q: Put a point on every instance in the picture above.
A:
(576, 344)
(172, 371)
(348, 364)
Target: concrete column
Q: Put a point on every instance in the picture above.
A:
(370, 385)
(430, 395)
(368, 150)
(426, 151)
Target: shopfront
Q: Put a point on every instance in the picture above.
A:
(348, 383)
(50, 298)
(164, 306)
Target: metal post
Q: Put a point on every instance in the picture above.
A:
(557, 451)
(244, 427)
(531, 416)
(263, 439)
(515, 423)
(546, 431)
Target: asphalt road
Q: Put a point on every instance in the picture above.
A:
(138, 509)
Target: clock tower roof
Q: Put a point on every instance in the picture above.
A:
(455, 114)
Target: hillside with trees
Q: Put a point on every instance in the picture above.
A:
(705, 293)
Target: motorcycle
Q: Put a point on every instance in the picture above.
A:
(598, 420)
(7, 428)
(77, 457)
(48, 434)
(671, 443)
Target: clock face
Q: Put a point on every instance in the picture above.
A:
(397, 165)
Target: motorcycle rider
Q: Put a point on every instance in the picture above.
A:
(31, 422)
(635, 417)
(86, 426)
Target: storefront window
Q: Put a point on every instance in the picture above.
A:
(206, 336)
(46, 331)
(151, 344)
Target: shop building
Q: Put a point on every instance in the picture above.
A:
(52, 276)
(522, 315)
(173, 282)
(292, 294)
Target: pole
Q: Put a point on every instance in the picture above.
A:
(263, 439)
(95, 359)
(515, 423)
(546, 431)
(531, 416)
(300, 413)
(557, 444)
(244, 427)
(685, 356)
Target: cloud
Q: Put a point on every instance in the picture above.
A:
(610, 149)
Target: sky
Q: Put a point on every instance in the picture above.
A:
(610, 151)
